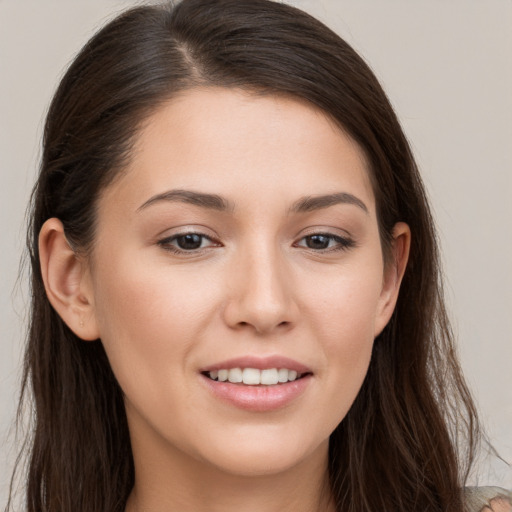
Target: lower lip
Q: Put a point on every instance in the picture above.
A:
(258, 398)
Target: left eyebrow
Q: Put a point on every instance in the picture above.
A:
(311, 203)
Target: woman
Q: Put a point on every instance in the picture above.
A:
(236, 299)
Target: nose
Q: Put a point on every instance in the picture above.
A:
(260, 293)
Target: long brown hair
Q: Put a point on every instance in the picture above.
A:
(407, 442)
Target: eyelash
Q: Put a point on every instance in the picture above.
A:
(166, 243)
(343, 244)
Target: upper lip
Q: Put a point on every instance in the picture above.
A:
(259, 363)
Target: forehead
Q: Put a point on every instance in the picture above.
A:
(223, 141)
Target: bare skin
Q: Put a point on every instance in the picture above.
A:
(498, 505)
(276, 272)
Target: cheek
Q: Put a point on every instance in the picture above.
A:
(345, 307)
(149, 318)
(347, 334)
(343, 314)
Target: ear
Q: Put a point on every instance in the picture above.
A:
(393, 273)
(67, 281)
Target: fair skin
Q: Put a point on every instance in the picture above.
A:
(271, 275)
(498, 505)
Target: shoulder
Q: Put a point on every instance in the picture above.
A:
(488, 499)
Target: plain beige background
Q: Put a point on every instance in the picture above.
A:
(447, 67)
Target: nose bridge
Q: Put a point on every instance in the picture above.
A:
(262, 289)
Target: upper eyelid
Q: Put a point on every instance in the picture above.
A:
(344, 241)
(187, 230)
(185, 233)
(205, 230)
(342, 237)
(325, 230)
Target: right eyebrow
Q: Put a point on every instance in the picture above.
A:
(210, 201)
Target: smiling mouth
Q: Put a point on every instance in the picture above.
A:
(255, 377)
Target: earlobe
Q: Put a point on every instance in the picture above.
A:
(67, 287)
(393, 274)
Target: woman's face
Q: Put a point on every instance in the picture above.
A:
(243, 235)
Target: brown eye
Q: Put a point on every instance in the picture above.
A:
(187, 243)
(318, 241)
(325, 242)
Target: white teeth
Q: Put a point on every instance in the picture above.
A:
(254, 377)
(251, 376)
(282, 375)
(269, 377)
(235, 375)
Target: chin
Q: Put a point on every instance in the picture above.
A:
(263, 454)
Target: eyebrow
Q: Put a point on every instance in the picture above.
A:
(210, 201)
(216, 202)
(311, 203)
